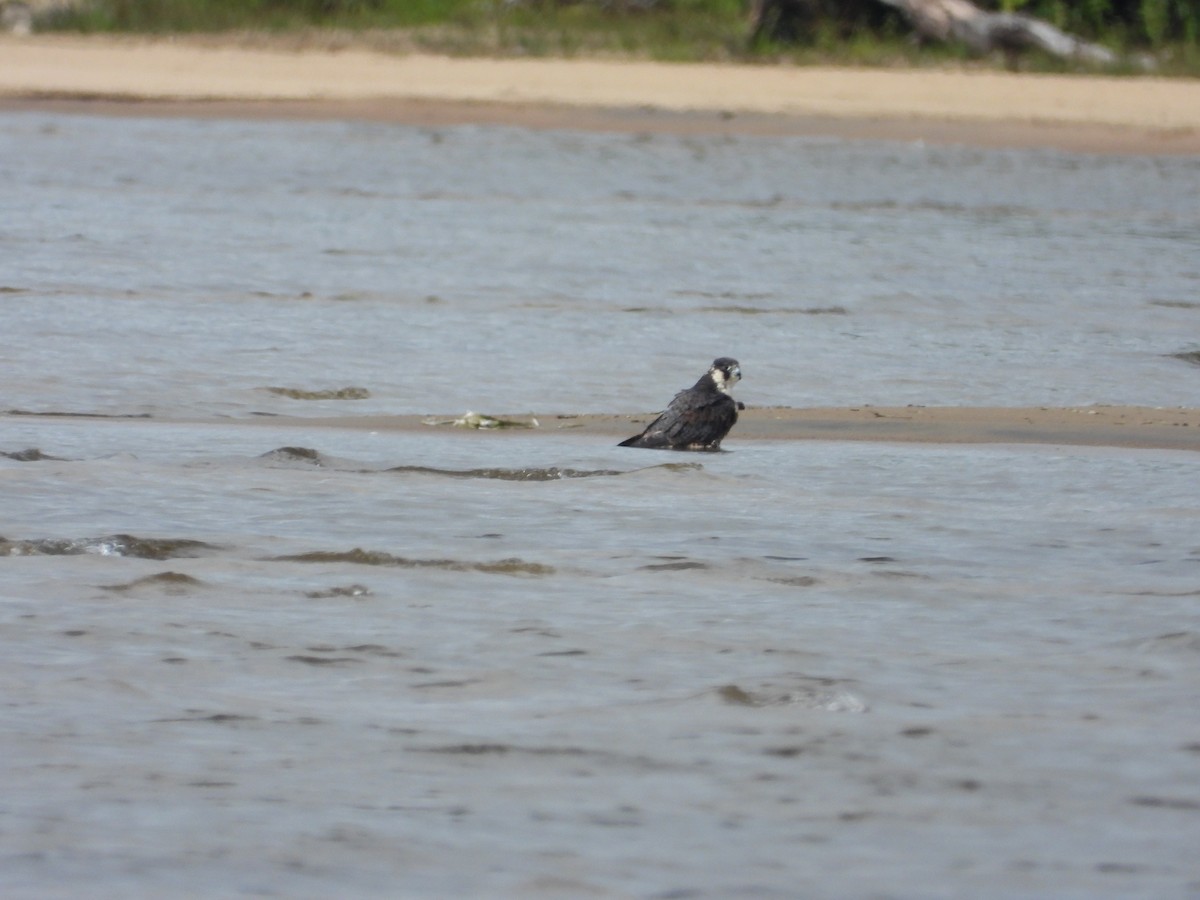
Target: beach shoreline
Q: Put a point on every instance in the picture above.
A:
(206, 79)
(1124, 427)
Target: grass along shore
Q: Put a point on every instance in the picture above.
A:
(669, 30)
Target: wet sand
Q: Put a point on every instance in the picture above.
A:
(1100, 426)
(203, 77)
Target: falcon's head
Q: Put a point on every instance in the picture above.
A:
(725, 373)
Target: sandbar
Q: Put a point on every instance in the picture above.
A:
(209, 78)
(1129, 427)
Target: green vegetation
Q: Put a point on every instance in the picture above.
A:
(827, 31)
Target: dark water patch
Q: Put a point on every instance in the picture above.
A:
(899, 573)
(1116, 868)
(498, 749)
(1195, 593)
(32, 454)
(9, 289)
(309, 457)
(536, 629)
(725, 295)
(471, 749)
(988, 212)
(788, 751)
(795, 581)
(367, 649)
(453, 683)
(1185, 642)
(346, 393)
(350, 590)
(358, 556)
(674, 566)
(111, 545)
(1188, 356)
(76, 415)
(746, 309)
(1175, 304)
(169, 582)
(322, 660)
(551, 473)
(372, 650)
(294, 454)
(773, 311)
(216, 718)
(1180, 803)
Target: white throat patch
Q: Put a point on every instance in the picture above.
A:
(723, 383)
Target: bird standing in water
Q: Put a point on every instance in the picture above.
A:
(699, 417)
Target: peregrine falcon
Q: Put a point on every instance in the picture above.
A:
(699, 417)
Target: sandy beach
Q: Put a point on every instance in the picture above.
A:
(200, 77)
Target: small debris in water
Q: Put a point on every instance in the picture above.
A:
(471, 419)
(731, 693)
(33, 454)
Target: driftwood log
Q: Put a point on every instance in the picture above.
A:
(948, 21)
(984, 32)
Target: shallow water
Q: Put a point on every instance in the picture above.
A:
(172, 266)
(253, 657)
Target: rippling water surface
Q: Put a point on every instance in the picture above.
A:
(171, 266)
(254, 656)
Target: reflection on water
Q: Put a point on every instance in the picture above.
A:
(454, 663)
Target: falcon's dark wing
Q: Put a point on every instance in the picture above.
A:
(696, 419)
